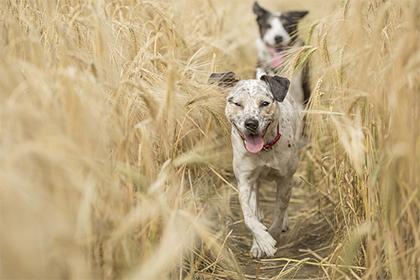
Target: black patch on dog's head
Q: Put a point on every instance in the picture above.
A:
(223, 79)
(279, 86)
(262, 18)
(290, 21)
(259, 11)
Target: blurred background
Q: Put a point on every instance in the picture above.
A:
(115, 155)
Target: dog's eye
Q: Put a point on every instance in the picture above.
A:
(268, 26)
(230, 100)
(264, 104)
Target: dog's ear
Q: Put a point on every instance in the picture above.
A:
(295, 16)
(223, 79)
(258, 10)
(278, 86)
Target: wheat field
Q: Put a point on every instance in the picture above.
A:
(115, 155)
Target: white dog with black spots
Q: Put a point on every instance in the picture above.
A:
(266, 131)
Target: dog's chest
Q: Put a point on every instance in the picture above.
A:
(280, 161)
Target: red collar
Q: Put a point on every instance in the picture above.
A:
(270, 145)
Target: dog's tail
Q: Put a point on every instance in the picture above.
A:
(306, 85)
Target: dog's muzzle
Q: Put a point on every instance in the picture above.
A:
(251, 126)
(252, 137)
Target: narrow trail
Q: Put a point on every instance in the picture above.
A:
(308, 239)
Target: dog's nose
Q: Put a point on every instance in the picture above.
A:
(251, 124)
(278, 39)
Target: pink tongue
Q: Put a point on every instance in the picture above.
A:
(254, 144)
(276, 61)
(277, 58)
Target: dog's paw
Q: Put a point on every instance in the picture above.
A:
(256, 251)
(266, 243)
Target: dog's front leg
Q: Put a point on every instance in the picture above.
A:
(280, 220)
(256, 251)
(248, 199)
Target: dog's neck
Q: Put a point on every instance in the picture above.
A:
(271, 133)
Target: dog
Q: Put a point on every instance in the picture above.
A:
(266, 123)
(278, 33)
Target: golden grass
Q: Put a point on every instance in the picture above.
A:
(115, 154)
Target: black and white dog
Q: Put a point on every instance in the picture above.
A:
(278, 33)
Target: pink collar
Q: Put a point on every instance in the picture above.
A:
(270, 145)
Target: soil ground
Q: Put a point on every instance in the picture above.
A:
(308, 239)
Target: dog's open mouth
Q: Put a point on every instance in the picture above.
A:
(276, 47)
(254, 143)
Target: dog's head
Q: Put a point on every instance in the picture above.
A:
(251, 105)
(277, 30)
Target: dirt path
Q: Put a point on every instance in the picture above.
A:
(307, 240)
